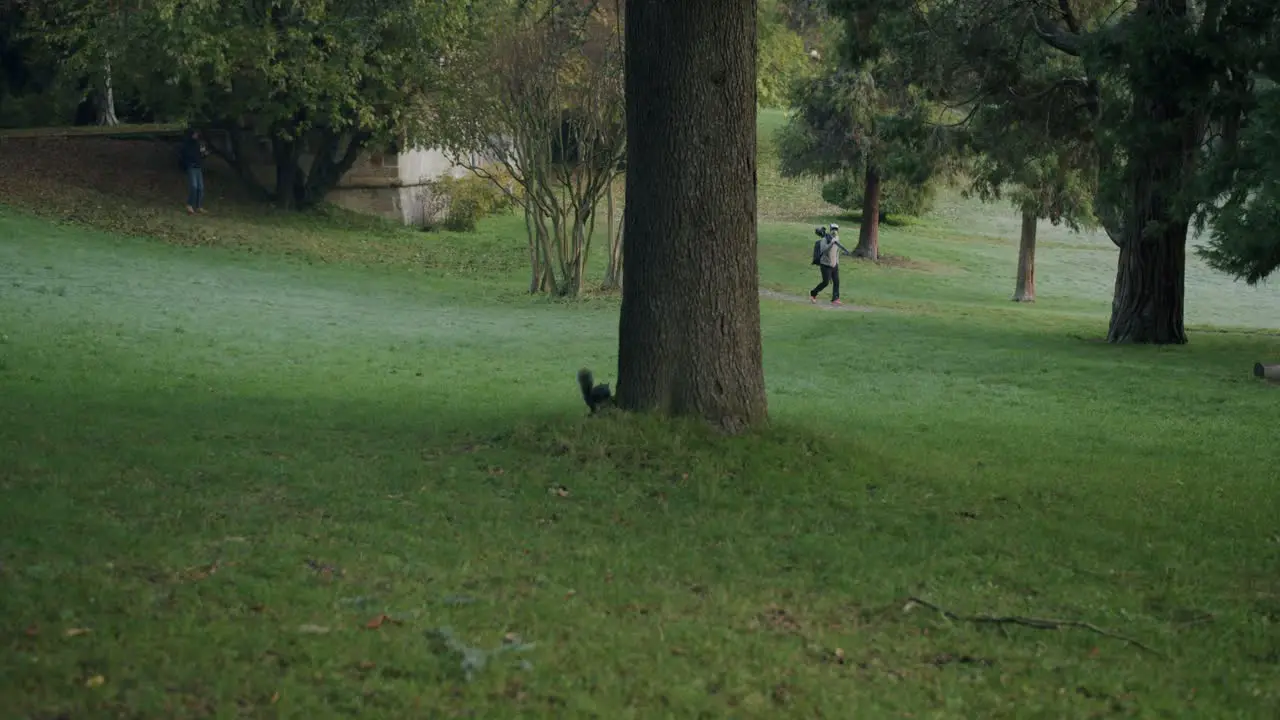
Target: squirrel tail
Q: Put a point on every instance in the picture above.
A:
(593, 395)
(586, 381)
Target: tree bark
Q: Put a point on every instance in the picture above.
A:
(869, 231)
(106, 101)
(285, 154)
(614, 273)
(610, 276)
(689, 332)
(1151, 276)
(1026, 288)
(328, 168)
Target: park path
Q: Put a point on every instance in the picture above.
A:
(823, 304)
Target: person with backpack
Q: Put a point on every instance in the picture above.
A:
(826, 255)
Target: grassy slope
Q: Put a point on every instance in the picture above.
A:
(379, 402)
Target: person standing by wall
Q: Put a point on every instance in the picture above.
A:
(193, 152)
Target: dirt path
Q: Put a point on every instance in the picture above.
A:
(824, 303)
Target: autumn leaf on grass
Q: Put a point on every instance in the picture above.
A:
(95, 681)
(559, 491)
(313, 629)
(381, 620)
(74, 632)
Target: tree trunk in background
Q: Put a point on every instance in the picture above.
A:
(869, 231)
(689, 333)
(106, 100)
(613, 274)
(1026, 289)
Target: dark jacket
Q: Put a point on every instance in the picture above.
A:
(192, 153)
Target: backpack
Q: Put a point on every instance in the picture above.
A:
(817, 252)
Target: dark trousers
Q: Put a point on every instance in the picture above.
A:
(830, 276)
(195, 187)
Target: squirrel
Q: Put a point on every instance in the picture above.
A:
(596, 396)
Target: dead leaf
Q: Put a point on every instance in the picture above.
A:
(313, 629)
(275, 697)
(381, 620)
(33, 631)
(74, 632)
(367, 665)
(95, 681)
(559, 491)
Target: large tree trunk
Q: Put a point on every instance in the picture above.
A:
(1026, 288)
(869, 232)
(1151, 276)
(689, 334)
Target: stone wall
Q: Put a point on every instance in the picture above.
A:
(390, 185)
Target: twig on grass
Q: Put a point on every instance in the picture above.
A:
(1036, 623)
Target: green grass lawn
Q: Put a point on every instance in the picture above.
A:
(223, 460)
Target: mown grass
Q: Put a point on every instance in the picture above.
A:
(220, 462)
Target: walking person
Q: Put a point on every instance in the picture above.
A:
(828, 250)
(193, 152)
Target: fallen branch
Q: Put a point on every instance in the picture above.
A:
(1036, 623)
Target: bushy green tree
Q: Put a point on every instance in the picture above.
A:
(1244, 223)
(1172, 89)
(866, 128)
(319, 78)
(783, 58)
(1034, 146)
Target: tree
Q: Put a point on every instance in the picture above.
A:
(319, 80)
(869, 129)
(1171, 86)
(689, 332)
(1034, 146)
(541, 96)
(1244, 239)
(782, 59)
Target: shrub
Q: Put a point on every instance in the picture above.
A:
(896, 197)
(458, 203)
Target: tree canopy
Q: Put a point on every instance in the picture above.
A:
(1170, 93)
(324, 76)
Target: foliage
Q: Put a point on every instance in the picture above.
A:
(897, 197)
(782, 56)
(867, 117)
(1034, 143)
(1168, 90)
(848, 118)
(464, 201)
(322, 78)
(540, 95)
(1244, 239)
